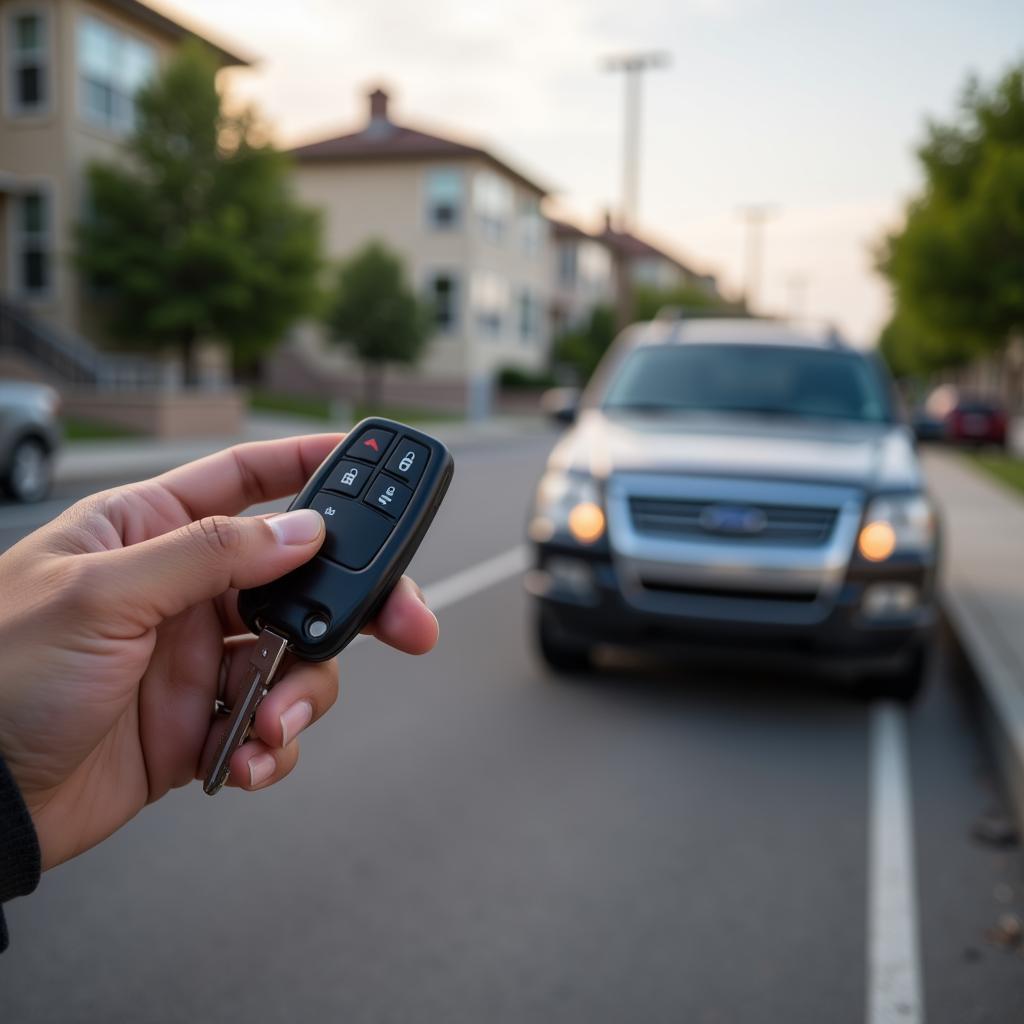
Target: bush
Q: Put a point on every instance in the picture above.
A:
(515, 378)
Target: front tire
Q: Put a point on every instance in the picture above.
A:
(558, 652)
(30, 473)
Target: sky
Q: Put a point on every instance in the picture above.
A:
(814, 108)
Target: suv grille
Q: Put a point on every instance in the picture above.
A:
(741, 522)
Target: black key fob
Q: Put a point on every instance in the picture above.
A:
(378, 492)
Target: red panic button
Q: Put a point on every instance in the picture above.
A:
(371, 444)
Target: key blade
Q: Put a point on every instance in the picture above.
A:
(263, 664)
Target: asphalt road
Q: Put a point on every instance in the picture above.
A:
(468, 839)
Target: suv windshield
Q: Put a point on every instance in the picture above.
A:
(770, 380)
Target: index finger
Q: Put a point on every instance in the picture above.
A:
(231, 480)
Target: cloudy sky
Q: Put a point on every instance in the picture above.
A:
(813, 107)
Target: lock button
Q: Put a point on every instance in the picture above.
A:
(408, 460)
(388, 496)
(349, 478)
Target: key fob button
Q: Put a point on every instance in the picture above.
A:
(408, 461)
(388, 495)
(354, 533)
(371, 444)
(348, 478)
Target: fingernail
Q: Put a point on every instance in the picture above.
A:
(420, 594)
(261, 767)
(294, 720)
(302, 526)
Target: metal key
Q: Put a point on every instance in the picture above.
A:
(378, 492)
(266, 657)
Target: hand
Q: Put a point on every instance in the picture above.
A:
(119, 628)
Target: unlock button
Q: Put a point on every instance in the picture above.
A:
(388, 496)
(408, 461)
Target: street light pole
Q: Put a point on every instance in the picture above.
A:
(797, 285)
(754, 216)
(633, 64)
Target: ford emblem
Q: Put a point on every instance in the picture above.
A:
(734, 519)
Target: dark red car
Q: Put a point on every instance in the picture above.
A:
(962, 419)
(973, 421)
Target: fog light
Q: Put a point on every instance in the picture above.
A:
(586, 522)
(877, 541)
(571, 574)
(881, 599)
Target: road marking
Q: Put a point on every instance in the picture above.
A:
(468, 582)
(894, 993)
(477, 577)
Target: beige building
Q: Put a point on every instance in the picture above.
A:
(69, 71)
(469, 230)
(583, 276)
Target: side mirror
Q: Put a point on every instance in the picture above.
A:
(560, 404)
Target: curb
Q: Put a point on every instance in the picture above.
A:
(1002, 700)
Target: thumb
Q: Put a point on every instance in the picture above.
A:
(164, 576)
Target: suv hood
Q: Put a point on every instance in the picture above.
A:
(872, 456)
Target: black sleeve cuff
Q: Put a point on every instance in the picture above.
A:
(19, 847)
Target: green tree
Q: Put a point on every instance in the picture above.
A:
(957, 266)
(195, 235)
(583, 347)
(375, 312)
(689, 298)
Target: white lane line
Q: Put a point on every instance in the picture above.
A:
(894, 993)
(468, 582)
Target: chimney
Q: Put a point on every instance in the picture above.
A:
(378, 106)
(608, 227)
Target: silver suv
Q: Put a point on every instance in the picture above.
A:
(29, 437)
(740, 484)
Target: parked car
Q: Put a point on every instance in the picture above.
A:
(29, 438)
(742, 485)
(957, 418)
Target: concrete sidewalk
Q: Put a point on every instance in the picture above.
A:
(84, 461)
(983, 594)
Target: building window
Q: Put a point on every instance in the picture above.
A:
(490, 302)
(112, 67)
(444, 198)
(492, 203)
(443, 296)
(529, 317)
(531, 226)
(29, 63)
(567, 264)
(33, 260)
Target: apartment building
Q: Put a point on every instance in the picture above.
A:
(469, 229)
(70, 72)
(583, 276)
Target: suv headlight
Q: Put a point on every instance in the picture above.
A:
(567, 503)
(897, 524)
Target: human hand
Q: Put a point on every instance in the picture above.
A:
(119, 628)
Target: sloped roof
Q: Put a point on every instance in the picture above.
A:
(175, 29)
(632, 247)
(384, 139)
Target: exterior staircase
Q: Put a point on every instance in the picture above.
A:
(67, 360)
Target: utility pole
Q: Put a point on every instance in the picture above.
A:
(797, 286)
(633, 64)
(754, 216)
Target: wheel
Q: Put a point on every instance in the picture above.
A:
(903, 684)
(30, 472)
(560, 653)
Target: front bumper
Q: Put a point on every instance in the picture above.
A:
(589, 604)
